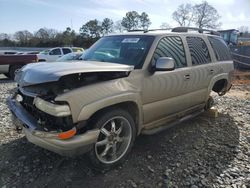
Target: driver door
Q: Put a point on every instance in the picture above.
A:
(166, 92)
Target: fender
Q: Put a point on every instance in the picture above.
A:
(214, 80)
(88, 110)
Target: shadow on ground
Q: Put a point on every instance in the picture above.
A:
(6, 80)
(202, 146)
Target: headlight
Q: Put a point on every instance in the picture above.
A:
(52, 109)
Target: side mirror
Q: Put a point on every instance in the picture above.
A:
(165, 64)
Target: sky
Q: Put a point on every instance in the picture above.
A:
(31, 15)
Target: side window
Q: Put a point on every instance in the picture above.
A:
(66, 50)
(220, 48)
(56, 51)
(171, 46)
(198, 50)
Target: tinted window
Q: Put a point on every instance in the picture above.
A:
(220, 49)
(198, 50)
(171, 46)
(128, 50)
(56, 51)
(66, 50)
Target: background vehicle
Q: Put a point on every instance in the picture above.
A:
(9, 64)
(239, 46)
(127, 85)
(55, 53)
(74, 56)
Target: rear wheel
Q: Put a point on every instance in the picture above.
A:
(7, 75)
(117, 135)
(209, 103)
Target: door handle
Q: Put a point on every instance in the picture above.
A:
(211, 71)
(187, 76)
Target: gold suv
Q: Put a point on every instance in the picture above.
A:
(126, 85)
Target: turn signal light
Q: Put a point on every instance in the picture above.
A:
(67, 134)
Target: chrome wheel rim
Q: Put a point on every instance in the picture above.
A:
(114, 140)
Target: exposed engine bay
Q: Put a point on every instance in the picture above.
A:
(49, 90)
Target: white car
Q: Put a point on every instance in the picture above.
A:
(55, 53)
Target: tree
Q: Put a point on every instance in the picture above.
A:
(46, 34)
(4, 36)
(92, 29)
(144, 21)
(66, 38)
(107, 26)
(165, 25)
(183, 15)
(118, 26)
(23, 37)
(131, 20)
(206, 16)
(243, 29)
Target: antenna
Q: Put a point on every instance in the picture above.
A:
(71, 24)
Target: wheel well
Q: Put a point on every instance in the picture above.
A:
(41, 60)
(219, 85)
(130, 107)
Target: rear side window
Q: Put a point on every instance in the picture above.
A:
(171, 46)
(66, 50)
(220, 48)
(198, 50)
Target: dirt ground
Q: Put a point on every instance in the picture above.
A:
(202, 152)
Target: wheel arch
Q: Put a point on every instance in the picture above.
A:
(131, 106)
(218, 83)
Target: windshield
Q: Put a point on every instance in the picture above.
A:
(125, 49)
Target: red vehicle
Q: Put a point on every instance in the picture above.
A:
(9, 64)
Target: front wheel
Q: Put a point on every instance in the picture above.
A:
(117, 135)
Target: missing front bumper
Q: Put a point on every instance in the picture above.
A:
(76, 145)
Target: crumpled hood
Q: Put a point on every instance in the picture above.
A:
(36, 73)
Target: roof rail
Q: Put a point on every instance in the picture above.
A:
(147, 30)
(136, 30)
(186, 29)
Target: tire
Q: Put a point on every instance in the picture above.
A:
(13, 70)
(209, 103)
(111, 148)
(7, 75)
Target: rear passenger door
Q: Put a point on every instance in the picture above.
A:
(202, 69)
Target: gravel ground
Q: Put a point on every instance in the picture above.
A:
(202, 152)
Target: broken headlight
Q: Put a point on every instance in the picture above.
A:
(52, 109)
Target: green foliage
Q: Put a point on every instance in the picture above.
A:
(131, 20)
(92, 29)
(89, 33)
(144, 21)
(107, 26)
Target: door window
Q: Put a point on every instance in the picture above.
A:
(56, 51)
(66, 50)
(171, 46)
(198, 50)
(220, 48)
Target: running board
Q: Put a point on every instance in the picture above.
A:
(167, 126)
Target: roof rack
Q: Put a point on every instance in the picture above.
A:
(136, 30)
(186, 29)
(147, 30)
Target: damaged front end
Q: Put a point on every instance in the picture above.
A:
(47, 122)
